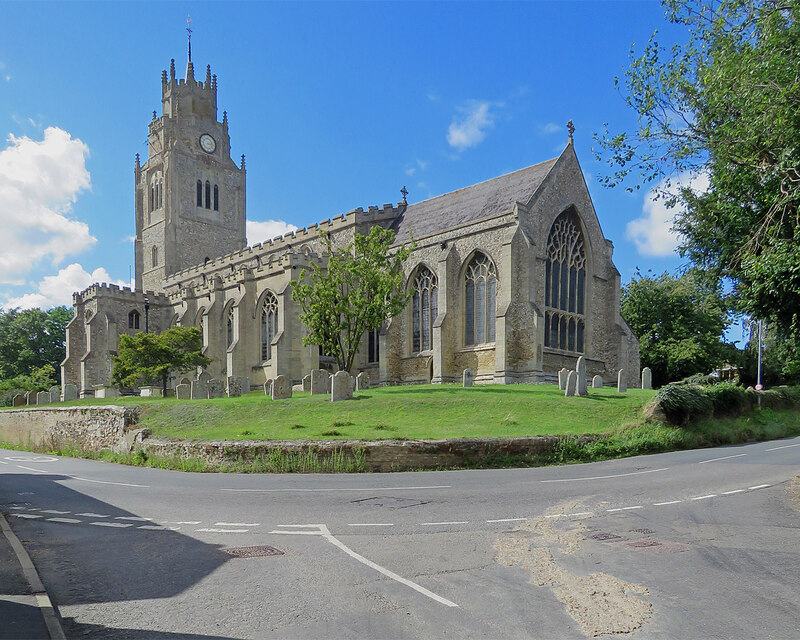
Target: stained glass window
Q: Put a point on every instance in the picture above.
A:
(480, 293)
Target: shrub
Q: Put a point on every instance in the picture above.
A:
(682, 402)
(728, 398)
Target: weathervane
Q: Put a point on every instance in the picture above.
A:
(404, 191)
(189, 33)
(571, 129)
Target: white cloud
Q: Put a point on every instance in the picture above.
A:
(411, 171)
(261, 231)
(39, 183)
(652, 233)
(550, 128)
(471, 125)
(57, 290)
(421, 165)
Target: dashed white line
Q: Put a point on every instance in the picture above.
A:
(710, 495)
(371, 524)
(758, 486)
(786, 446)
(727, 493)
(27, 516)
(435, 524)
(616, 475)
(236, 524)
(155, 527)
(54, 511)
(118, 525)
(119, 484)
(65, 520)
(182, 522)
(739, 455)
(508, 520)
(89, 514)
(30, 469)
(438, 486)
(224, 530)
(135, 518)
(661, 504)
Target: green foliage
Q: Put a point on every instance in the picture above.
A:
(31, 339)
(725, 104)
(682, 402)
(780, 358)
(145, 357)
(41, 379)
(680, 324)
(361, 287)
(728, 398)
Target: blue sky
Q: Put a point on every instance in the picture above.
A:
(336, 106)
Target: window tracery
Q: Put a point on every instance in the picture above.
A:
(269, 325)
(229, 326)
(480, 293)
(424, 309)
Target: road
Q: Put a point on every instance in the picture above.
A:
(689, 544)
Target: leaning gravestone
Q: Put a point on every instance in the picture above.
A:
(562, 378)
(466, 378)
(362, 381)
(597, 382)
(18, 401)
(281, 388)
(580, 373)
(183, 391)
(234, 386)
(340, 386)
(55, 394)
(647, 378)
(198, 390)
(571, 387)
(307, 383)
(216, 388)
(43, 397)
(70, 392)
(30, 398)
(622, 383)
(268, 387)
(319, 382)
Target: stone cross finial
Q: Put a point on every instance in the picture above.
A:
(571, 129)
(404, 191)
(155, 117)
(242, 161)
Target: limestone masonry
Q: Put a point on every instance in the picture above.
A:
(512, 278)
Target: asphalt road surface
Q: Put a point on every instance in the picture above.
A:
(693, 544)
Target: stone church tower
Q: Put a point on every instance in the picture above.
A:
(190, 195)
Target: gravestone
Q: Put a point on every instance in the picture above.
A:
(55, 394)
(268, 387)
(562, 378)
(18, 401)
(245, 384)
(622, 383)
(329, 383)
(30, 398)
(466, 378)
(281, 388)
(580, 373)
(647, 378)
(204, 377)
(150, 392)
(597, 382)
(352, 384)
(198, 390)
(102, 391)
(571, 387)
(183, 391)
(362, 381)
(43, 397)
(234, 386)
(297, 387)
(70, 392)
(216, 388)
(319, 382)
(307, 383)
(340, 387)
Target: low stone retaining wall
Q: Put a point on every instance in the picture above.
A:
(92, 428)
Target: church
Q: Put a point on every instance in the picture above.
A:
(511, 278)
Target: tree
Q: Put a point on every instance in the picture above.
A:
(144, 357)
(725, 104)
(680, 324)
(780, 358)
(31, 339)
(361, 287)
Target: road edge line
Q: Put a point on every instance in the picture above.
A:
(35, 582)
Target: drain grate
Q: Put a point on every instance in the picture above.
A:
(252, 552)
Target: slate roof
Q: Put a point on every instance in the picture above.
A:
(470, 204)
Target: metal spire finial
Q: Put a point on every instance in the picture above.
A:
(189, 34)
(571, 129)
(404, 191)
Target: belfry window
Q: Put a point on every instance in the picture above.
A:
(161, 192)
(133, 320)
(155, 256)
(158, 193)
(229, 326)
(269, 325)
(216, 198)
(480, 291)
(565, 285)
(199, 193)
(208, 194)
(424, 308)
(152, 196)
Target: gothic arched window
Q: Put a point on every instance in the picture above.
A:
(565, 285)
(161, 192)
(229, 326)
(158, 193)
(208, 194)
(424, 309)
(155, 256)
(199, 193)
(216, 198)
(480, 292)
(269, 325)
(152, 196)
(133, 320)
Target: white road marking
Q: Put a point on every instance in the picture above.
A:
(30, 469)
(661, 504)
(89, 514)
(224, 530)
(28, 516)
(580, 513)
(508, 520)
(137, 519)
(557, 515)
(438, 486)
(1, 462)
(727, 493)
(786, 446)
(371, 524)
(17, 507)
(182, 522)
(613, 510)
(236, 524)
(322, 530)
(710, 495)
(31, 459)
(119, 525)
(154, 527)
(739, 455)
(66, 520)
(434, 524)
(119, 484)
(616, 475)
(759, 486)
(58, 513)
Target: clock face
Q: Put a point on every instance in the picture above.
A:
(207, 143)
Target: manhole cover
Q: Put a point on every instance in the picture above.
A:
(605, 537)
(644, 543)
(646, 532)
(253, 552)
